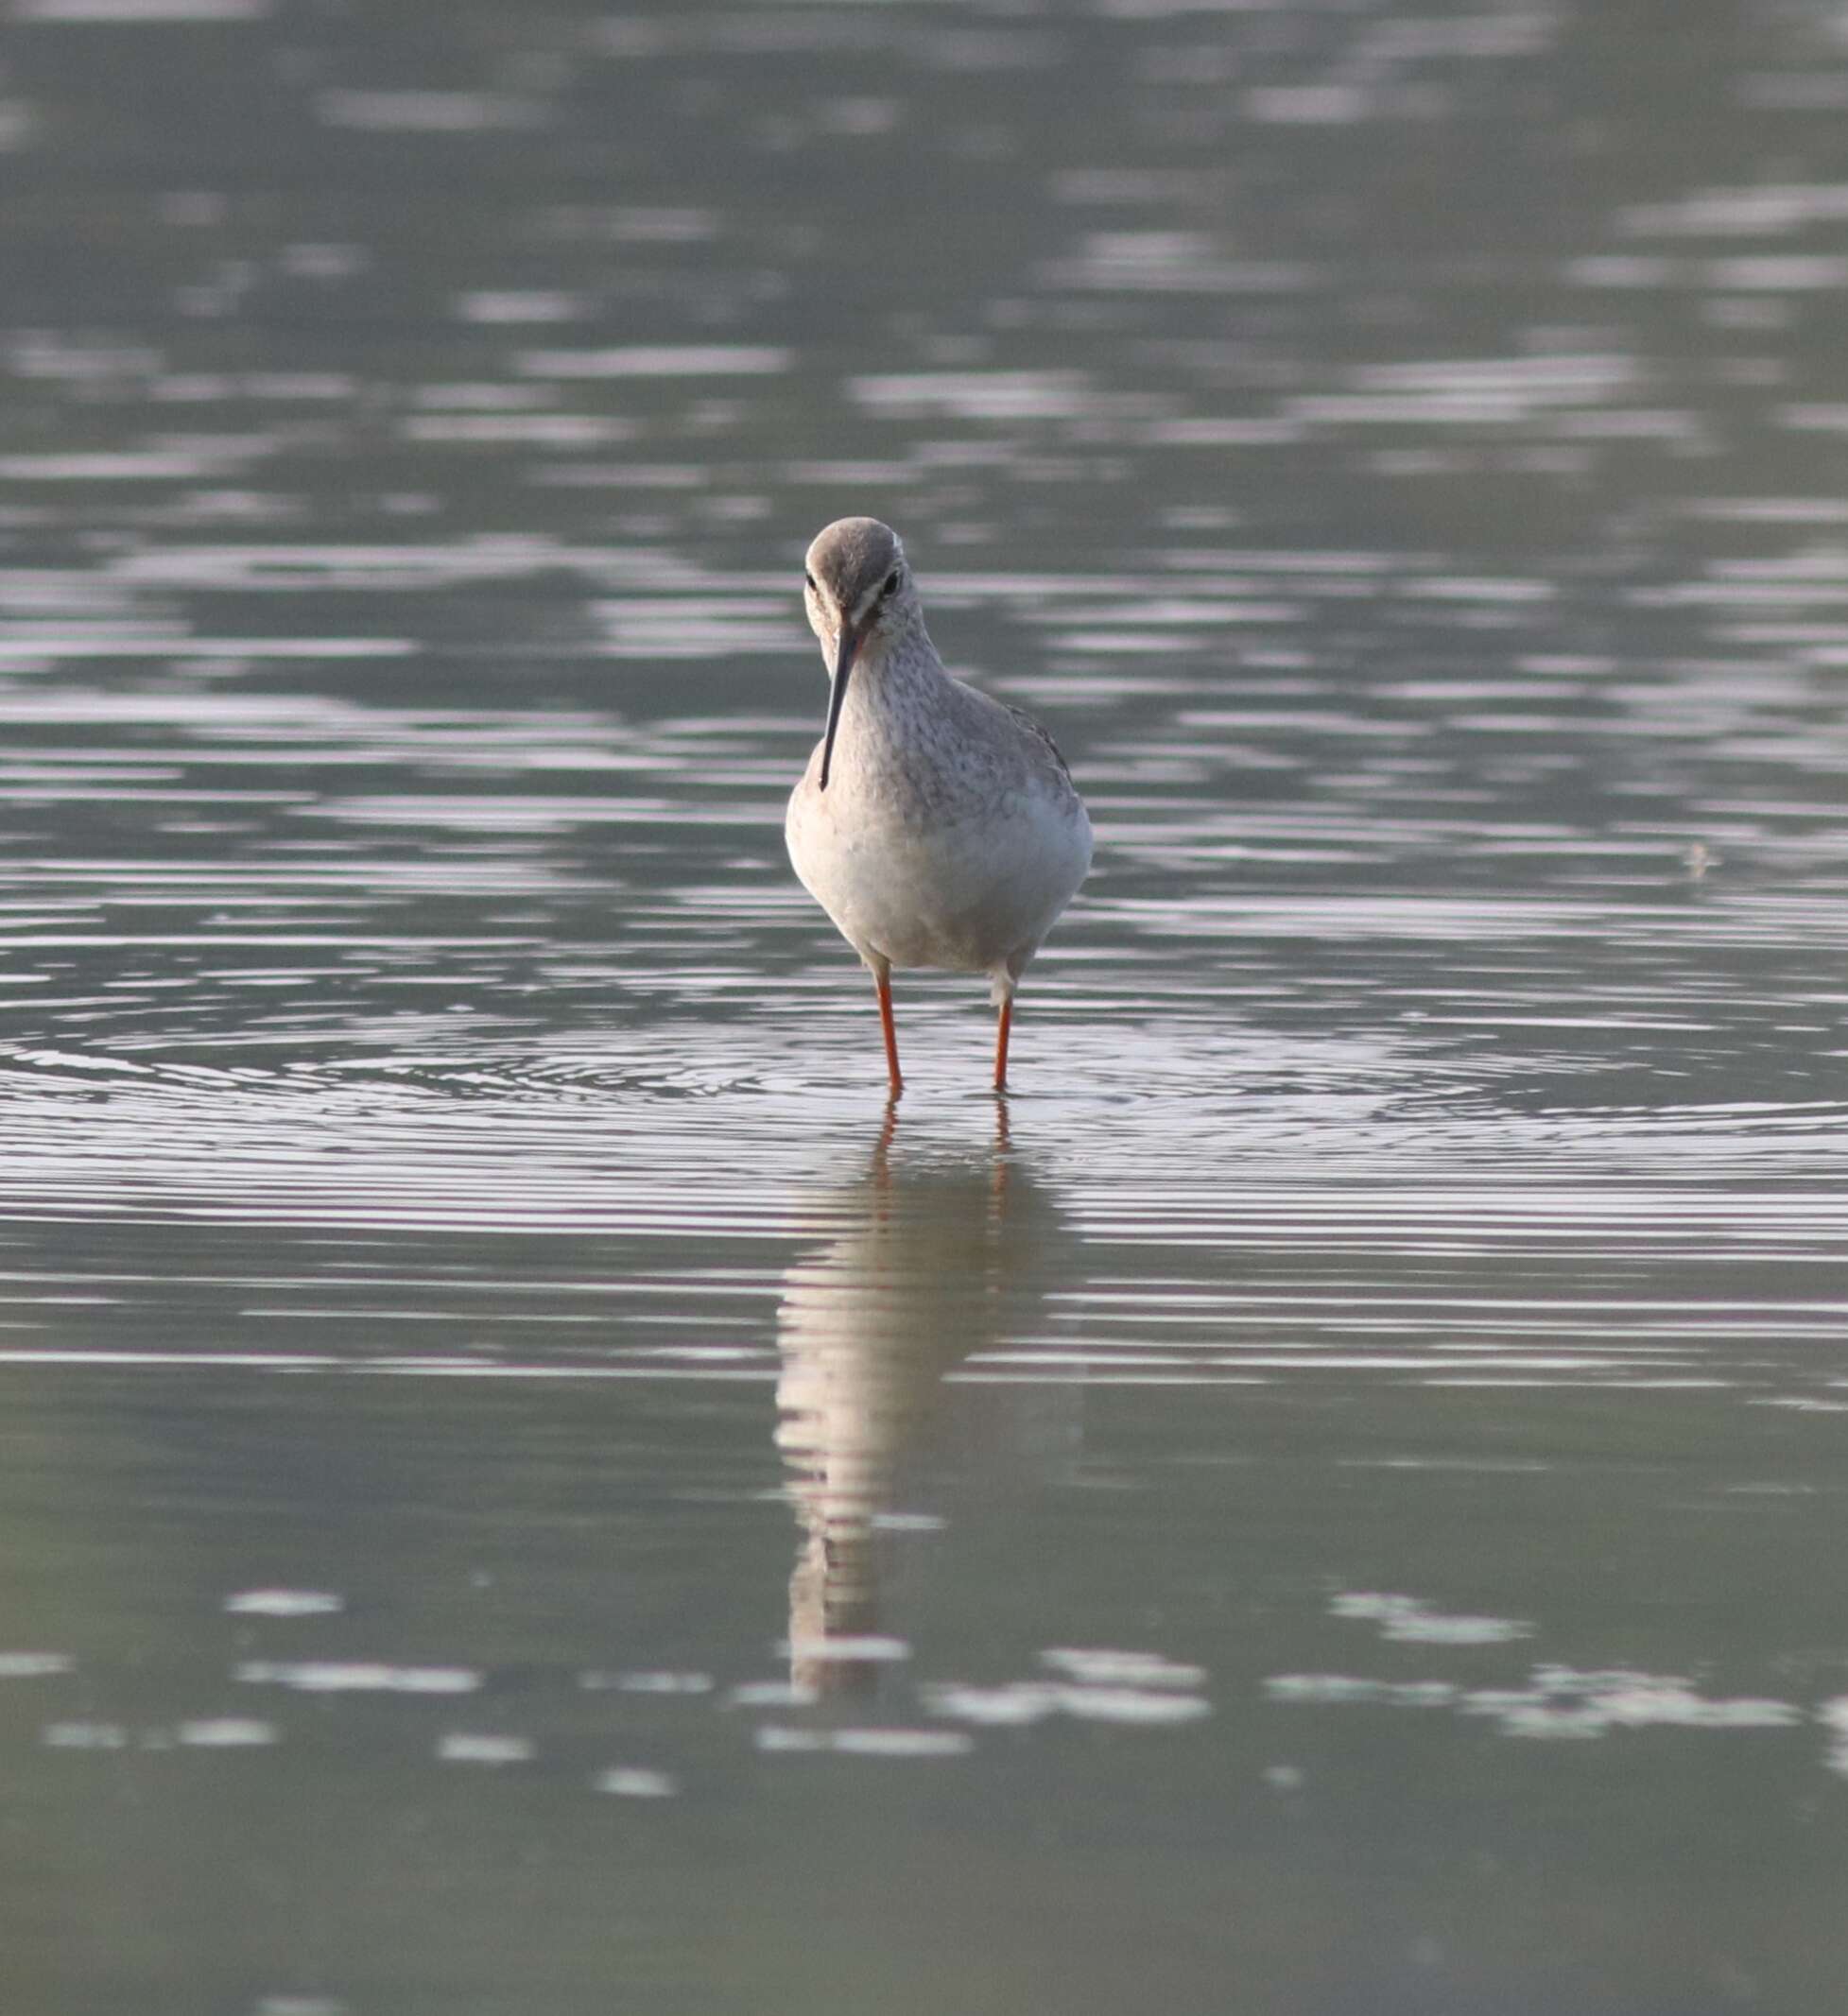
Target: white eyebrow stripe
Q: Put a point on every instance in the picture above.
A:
(877, 590)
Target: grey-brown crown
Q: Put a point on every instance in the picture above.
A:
(853, 559)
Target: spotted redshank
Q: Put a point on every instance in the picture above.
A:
(936, 826)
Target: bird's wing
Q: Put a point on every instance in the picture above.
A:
(1040, 735)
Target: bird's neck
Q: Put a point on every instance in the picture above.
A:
(893, 712)
(897, 669)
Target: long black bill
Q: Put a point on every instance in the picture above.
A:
(844, 654)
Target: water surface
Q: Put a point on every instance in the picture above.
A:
(529, 1490)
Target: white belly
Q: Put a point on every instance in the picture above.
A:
(975, 895)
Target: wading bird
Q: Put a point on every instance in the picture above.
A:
(936, 826)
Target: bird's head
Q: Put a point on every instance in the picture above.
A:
(859, 593)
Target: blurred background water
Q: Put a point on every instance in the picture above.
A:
(524, 1488)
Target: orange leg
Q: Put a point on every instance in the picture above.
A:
(1001, 1044)
(883, 981)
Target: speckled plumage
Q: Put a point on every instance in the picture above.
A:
(949, 833)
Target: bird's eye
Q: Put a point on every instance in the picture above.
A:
(891, 582)
(808, 578)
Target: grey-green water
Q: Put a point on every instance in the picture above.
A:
(1334, 1502)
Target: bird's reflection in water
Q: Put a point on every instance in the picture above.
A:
(937, 1260)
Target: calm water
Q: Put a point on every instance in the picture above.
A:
(526, 1491)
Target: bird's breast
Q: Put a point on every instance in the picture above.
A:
(963, 892)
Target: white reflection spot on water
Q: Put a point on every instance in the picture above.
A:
(1308, 104)
(867, 1741)
(1017, 1703)
(1833, 1714)
(628, 1782)
(1405, 1620)
(1562, 1702)
(310, 1676)
(902, 1742)
(1130, 1704)
(527, 304)
(34, 1665)
(1011, 1706)
(1101, 1667)
(117, 466)
(645, 1683)
(855, 1649)
(1558, 1701)
(427, 112)
(770, 1694)
(84, 1737)
(642, 360)
(1341, 1688)
(284, 1603)
(463, 1748)
(226, 1733)
(140, 11)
